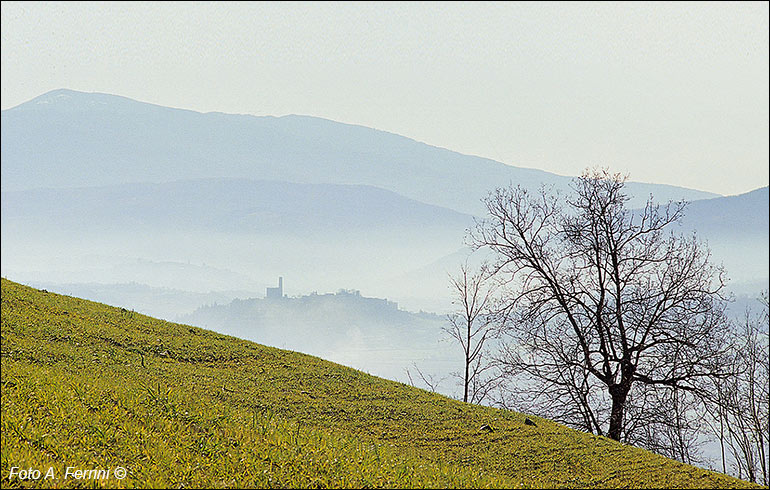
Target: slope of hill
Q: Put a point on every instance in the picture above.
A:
(70, 139)
(158, 302)
(50, 264)
(95, 387)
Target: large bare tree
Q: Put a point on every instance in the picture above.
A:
(606, 308)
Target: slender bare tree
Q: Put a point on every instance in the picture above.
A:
(740, 404)
(472, 325)
(669, 422)
(428, 379)
(602, 301)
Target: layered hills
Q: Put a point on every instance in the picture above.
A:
(66, 138)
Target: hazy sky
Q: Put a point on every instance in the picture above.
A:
(671, 93)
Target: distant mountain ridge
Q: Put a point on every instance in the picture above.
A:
(235, 200)
(69, 139)
(737, 229)
(324, 236)
(744, 214)
(229, 206)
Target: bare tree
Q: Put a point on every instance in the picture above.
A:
(602, 301)
(740, 404)
(472, 325)
(669, 422)
(428, 379)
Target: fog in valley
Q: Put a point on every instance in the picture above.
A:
(345, 208)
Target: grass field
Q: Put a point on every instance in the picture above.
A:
(90, 387)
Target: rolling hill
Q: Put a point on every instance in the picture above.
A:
(163, 303)
(92, 386)
(66, 138)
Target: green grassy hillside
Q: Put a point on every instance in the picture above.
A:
(89, 386)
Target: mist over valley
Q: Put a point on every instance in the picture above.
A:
(190, 216)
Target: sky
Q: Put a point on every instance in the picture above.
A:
(672, 93)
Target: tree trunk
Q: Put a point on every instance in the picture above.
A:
(465, 395)
(619, 394)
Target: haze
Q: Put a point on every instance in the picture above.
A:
(671, 93)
